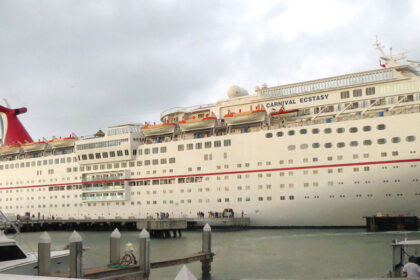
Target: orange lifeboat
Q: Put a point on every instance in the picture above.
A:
(253, 116)
(34, 146)
(62, 142)
(158, 129)
(10, 149)
(284, 113)
(198, 123)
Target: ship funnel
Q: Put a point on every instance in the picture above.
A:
(12, 130)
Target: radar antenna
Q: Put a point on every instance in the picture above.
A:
(390, 60)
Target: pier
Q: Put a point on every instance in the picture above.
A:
(385, 223)
(117, 268)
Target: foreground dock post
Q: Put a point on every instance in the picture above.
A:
(115, 247)
(44, 255)
(144, 252)
(76, 249)
(206, 248)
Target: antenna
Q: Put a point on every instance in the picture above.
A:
(7, 103)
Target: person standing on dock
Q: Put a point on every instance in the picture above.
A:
(411, 269)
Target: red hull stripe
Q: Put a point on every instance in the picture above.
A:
(226, 173)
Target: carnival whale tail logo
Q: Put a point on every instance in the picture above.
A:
(12, 130)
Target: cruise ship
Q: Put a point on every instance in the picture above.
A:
(319, 153)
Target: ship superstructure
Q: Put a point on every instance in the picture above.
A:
(319, 153)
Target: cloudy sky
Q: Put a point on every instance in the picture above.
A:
(83, 65)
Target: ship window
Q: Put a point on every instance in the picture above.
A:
(341, 144)
(207, 145)
(190, 146)
(163, 149)
(217, 144)
(315, 145)
(134, 152)
(227, 142)
(97, 155)
(380, 127)
(147, 151)
(396, 140)
(353, 129)
(180, 147)
(291, 147)
(280, 134)
(381, 141)
(354, 143)
(410, 138)
(345, 94)
(84, 157)
(357, 92)
(91, 156)
(155, 162)
(119, 153)
(328, 145)
(303, 131)
(367, 128)
(367, 142)
(269, 135)
(198, 145)
(291, 132)
(140, 152)
(112, 154)
(171, 160)
(303, 146)
(147, 162)
(370, 91)
(340, 130)
(155, 150)
(327, 130)
(291, 197)
(315, 131)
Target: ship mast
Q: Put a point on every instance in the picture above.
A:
(390, 60)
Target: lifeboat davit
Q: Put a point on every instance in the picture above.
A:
(34, 146)
(199, 123)
(158, 129)
(245, 117)
(10, 149)
(284, 113)
(62, 142)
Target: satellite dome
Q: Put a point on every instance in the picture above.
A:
(236, 91)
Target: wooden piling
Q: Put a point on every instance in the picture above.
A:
(115, 247)
(44, 255)
(144, 252)
(206, 248)
(76, 249)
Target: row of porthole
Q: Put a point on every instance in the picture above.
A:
(366, 142)
(327, 130)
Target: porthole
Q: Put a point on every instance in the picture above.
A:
(327, 130)
(328, 145)
(291, 132)
(353, 129)
(367, 128)
(341, 144)
(280, 134)
(367, 142)
(381, 141)
(315, 131)
(303, 131)
(303, 146)
(354, 143)
(340, 130)
(410, 138)
(291, 147)
(396, 140)
(315, 145)
(380, 127)
(269, 135)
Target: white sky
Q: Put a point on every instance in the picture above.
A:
(84, 65)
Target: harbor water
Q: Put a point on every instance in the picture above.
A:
(257, 253)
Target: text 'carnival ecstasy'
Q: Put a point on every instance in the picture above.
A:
(319, 153)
